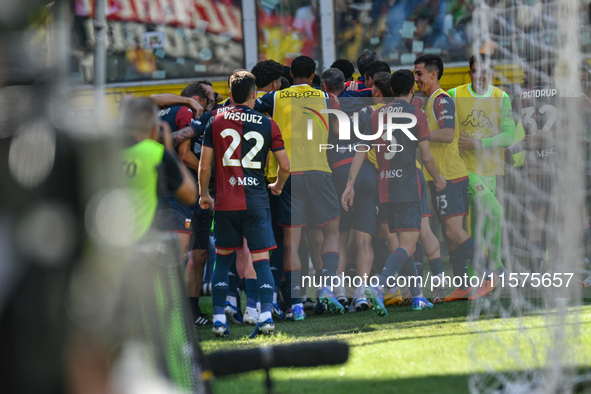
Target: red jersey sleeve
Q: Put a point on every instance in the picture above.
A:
(445, 111)
(422, 125)
(276, 138)
(183, 117)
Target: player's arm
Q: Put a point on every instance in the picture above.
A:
(445, 112)
(502, 140)
(187, 156)
(429, 164)
(180, 136)
(282, 172)
(278, 149)
(349, 193)
(265, 103)
(205, 200)
(179, 180)
(184, 118)
(194, 129)
(168, 99)
(423, 136)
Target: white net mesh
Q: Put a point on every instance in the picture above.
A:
(537, 344)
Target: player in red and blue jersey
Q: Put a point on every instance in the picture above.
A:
(179, 217)
(174, 215)
(398, 185)
(239, 139)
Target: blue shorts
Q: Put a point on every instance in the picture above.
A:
(314, 200)
(362, 216)
(173, 215)
(253, 224)
(201, 227)
(423, 194)
(284, 205)
(403, 216)
(274, 206)
(453, 201)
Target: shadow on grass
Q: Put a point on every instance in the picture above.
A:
(255, 383)
(360, 322)
(286, 381)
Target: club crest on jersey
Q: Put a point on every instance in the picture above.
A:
(477, 119)
(243, 181)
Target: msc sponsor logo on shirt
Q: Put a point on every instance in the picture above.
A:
(391, 174)
(545, 152)
(243, 181)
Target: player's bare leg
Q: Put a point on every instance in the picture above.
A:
(184, 240)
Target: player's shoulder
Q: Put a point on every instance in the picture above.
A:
(443, 97)
(170, 110)
(264, 96)
(257, 116)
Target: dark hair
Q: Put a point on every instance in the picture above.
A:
(287, 74)
(376, 67)
(242, 84)
(195, 89)
(346, 67)
(139, 115)
(266, 72)
(333, 79)
(402, 83)
(284, 83)
(205, 82)
(303, 67)
(316, 81)
(480, 58)
(432, 63)
(383, 81)
(364, 59)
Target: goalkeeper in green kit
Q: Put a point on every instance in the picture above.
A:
(486, 128)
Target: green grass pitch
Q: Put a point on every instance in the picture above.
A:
(406, 352)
